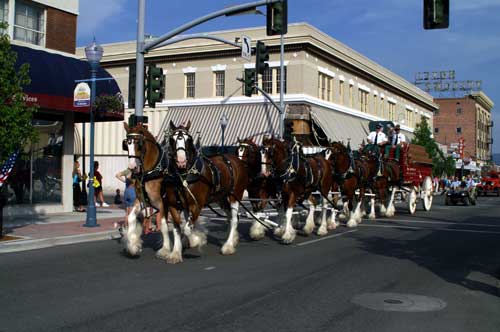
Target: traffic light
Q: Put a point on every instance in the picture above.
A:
(249, 82)
(261, 56)
(277, 18)
(155, 85)
(436, 14)
(131, 85)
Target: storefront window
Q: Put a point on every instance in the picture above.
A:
(37, 175)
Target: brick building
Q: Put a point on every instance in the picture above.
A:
(469, 118)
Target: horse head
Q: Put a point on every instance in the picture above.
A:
(248, 151)
(273, 152)
(182, 144)
(141, 147)
(339, 157)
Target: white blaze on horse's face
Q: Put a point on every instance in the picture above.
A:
(328, 154)
(133, 160)
(180, 148)
(264, 163)
(241, 152)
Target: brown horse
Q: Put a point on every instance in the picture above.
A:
(260, 189)
(198, 180)
(297, 177)
(145, 159)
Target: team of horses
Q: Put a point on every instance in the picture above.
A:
(177, 179)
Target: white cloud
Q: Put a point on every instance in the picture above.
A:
(95, 13)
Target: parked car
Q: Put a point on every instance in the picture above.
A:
(489, 184)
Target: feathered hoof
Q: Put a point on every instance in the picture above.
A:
(197, 239)
(279, 231)
(134, 250)
(308, 228)
(227, 249)
(372, 216)
(322, 231)
(257, 231)
(174, 258)
(352, 223)
(332, 225)
(390, 212)
(162, 253)
(288, 237)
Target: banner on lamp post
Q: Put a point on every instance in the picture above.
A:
(81, 95)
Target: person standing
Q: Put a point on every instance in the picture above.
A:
(129, 196)
(395, 142)
(99, 196)
(77, 190)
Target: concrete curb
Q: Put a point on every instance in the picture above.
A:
(23, 245)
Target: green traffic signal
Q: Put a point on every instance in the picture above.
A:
(155, 85)
(277, 18)
(131, 85)
(261, 57)
(249, 82)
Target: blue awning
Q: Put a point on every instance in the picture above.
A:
(53, 79)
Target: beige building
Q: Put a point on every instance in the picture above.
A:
(326, 82)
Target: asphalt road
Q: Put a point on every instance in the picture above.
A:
(435, 271)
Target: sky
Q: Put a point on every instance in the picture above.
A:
(388, 32)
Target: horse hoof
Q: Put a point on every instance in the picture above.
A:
(352, 224)
(134, 251)
(227, 250)
(332, 225)
(174, 259)
(308, 229)
(257, 231)
(162, 253)
(371, 216)
(288, 237)
(279, 231)
(322, 231)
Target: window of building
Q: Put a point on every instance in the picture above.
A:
(409, 118)
(29, 24)
(278, 79)
(436, 130)
(392, 111)
(4, 13)
(267, 80)
(190, 84)
(363, 100)
(325, 86)
(375, 104)
(459, 110)
(351, 96)
(459, 130)
(341, 92)
(220, 80)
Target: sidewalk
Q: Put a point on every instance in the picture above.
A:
(42, 231)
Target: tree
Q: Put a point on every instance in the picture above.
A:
(443, 165)
(16, 129)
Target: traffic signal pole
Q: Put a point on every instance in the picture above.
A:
(139, 79)
(282, 85)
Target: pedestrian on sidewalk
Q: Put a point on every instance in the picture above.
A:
(77, 190)
(129, 196)
(99, 196)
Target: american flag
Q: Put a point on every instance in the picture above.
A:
(7, 168)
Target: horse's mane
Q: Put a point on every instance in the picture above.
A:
(340, 146)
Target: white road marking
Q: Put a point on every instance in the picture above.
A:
(209, 268)
(430, 229)
(325, 238)
(437, 222)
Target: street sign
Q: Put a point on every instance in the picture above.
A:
(81, 95)
(246, 47)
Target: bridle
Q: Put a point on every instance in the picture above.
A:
(140, 139)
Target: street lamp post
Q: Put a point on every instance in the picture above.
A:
(93, 52)
(223, 124)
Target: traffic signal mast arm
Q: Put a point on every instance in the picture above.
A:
(268, 97)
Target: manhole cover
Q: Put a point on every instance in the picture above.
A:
(399, 302)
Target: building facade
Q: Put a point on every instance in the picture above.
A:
(43, 35)
(326, 83)
(467, 118)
